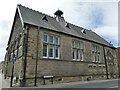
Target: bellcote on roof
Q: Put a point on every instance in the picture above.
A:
(58, 13)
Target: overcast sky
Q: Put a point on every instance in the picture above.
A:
(100, 16)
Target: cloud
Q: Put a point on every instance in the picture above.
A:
(4, 35)
(96, 18)
(101, 17)
(109, 27)
(109, 33)
(96, 0)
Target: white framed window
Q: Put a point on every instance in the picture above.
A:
(45, 51)
(96, 53)
(57, 53)
(51, 51)
(57, 40)
(51, 39)
(78, 50)
(45, 38)
(51, 47)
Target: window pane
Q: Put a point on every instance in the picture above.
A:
(93, 48)
(57, 40)
(78, 54)
(51, 51)
(95, 58)
(11, 56)
(74, 54)
(45, 38)
(77, 44)
(57, 52)
(98, 49)
(81, 46)
(45, 51)
(20, 51)
(81, 55)
(72, 44)
(98, 59)
(51, 39)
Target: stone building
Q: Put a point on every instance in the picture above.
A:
(49, 49)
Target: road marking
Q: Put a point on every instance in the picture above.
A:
(114, 87)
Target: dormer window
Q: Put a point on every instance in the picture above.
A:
(83, 31)
(45, 18)
(67, 25)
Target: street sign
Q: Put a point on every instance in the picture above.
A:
(14, 59)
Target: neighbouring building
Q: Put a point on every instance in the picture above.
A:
(118, 59)
(1, 65)
(49, 47)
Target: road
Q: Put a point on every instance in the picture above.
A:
(95, 84)
(114, 83)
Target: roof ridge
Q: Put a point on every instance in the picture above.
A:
(35, 10)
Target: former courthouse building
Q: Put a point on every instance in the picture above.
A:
(55, 48)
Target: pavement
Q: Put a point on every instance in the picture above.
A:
(4, 83)
(110, 83)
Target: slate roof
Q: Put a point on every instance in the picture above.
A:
(35, 18)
